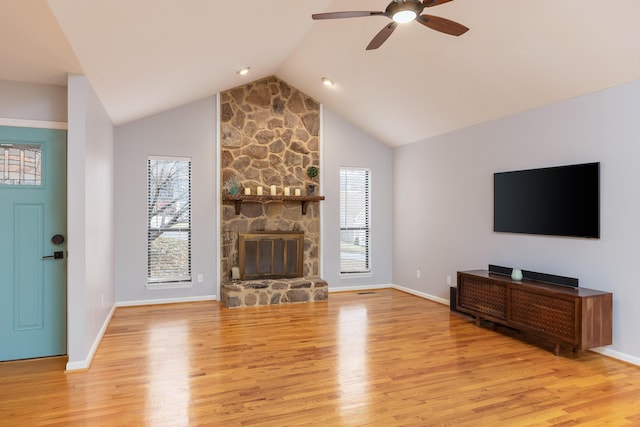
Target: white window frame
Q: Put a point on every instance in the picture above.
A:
(368, 271)
(182, 280)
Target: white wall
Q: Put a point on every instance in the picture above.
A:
(90, 282)
(27, 101)
(345, 145)
(443, 201)
(186, 131)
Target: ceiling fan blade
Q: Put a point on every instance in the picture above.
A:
(431, 3)
(337, 15)
(442, 24)
(382, 36)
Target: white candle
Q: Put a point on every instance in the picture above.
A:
(247, 191)
(297, 192)
(287, 191)
(273, 190)
(259, 190)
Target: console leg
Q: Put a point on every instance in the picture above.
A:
(556, 349)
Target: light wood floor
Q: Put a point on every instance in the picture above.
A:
(380, 359)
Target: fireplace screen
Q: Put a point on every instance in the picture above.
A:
(270, 254)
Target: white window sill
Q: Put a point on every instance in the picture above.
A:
(176, 285)
(355, 275)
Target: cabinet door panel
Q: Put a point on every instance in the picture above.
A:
(482, 296)
(545, 313)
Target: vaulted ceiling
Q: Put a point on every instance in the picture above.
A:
(146, 56)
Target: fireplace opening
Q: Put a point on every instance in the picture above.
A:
(270, 254)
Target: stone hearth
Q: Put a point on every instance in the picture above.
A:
(274, 291)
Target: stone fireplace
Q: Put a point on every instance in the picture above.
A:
(270, 135)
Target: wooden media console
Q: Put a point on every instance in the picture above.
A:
(579, 317)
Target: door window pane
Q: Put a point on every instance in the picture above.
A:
(20, 164)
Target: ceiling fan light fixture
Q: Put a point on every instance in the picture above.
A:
(401, 12)
(404, 16)
(328, 82)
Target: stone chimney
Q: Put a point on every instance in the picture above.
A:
(270, 134)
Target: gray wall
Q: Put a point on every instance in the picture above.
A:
(186, 131)
(90, 282)
(345, 145)
(190, 131)
(443, 201)
(29, 101)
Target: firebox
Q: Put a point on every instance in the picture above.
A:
(270, 254)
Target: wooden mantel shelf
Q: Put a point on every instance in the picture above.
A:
(240, 198)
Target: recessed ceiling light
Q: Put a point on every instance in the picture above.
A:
(328, 82)
(244, 71)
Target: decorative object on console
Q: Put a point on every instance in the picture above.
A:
(516, 274)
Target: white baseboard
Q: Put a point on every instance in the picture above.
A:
(617, 355)
(421, 294)
(84, 364)
(165, 301)
(358, 288)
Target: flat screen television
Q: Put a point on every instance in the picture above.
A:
(555, 201)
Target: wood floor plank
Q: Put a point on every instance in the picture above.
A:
(380, 359)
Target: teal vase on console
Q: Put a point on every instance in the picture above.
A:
(516, 274)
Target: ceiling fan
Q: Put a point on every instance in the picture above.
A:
(402, 11)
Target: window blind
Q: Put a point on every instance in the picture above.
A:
(354, 220)
(169, 220)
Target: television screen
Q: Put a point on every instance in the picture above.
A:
(556, 201)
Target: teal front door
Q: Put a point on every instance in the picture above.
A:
(33, 266)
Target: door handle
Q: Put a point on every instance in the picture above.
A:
(56, 255)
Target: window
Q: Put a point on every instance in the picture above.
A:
(354, 220)
(169, 220)
(20, 164)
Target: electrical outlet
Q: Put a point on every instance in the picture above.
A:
(418, 275)
(449, 280)
(200, 278)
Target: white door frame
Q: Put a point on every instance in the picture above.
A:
(37, 124)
